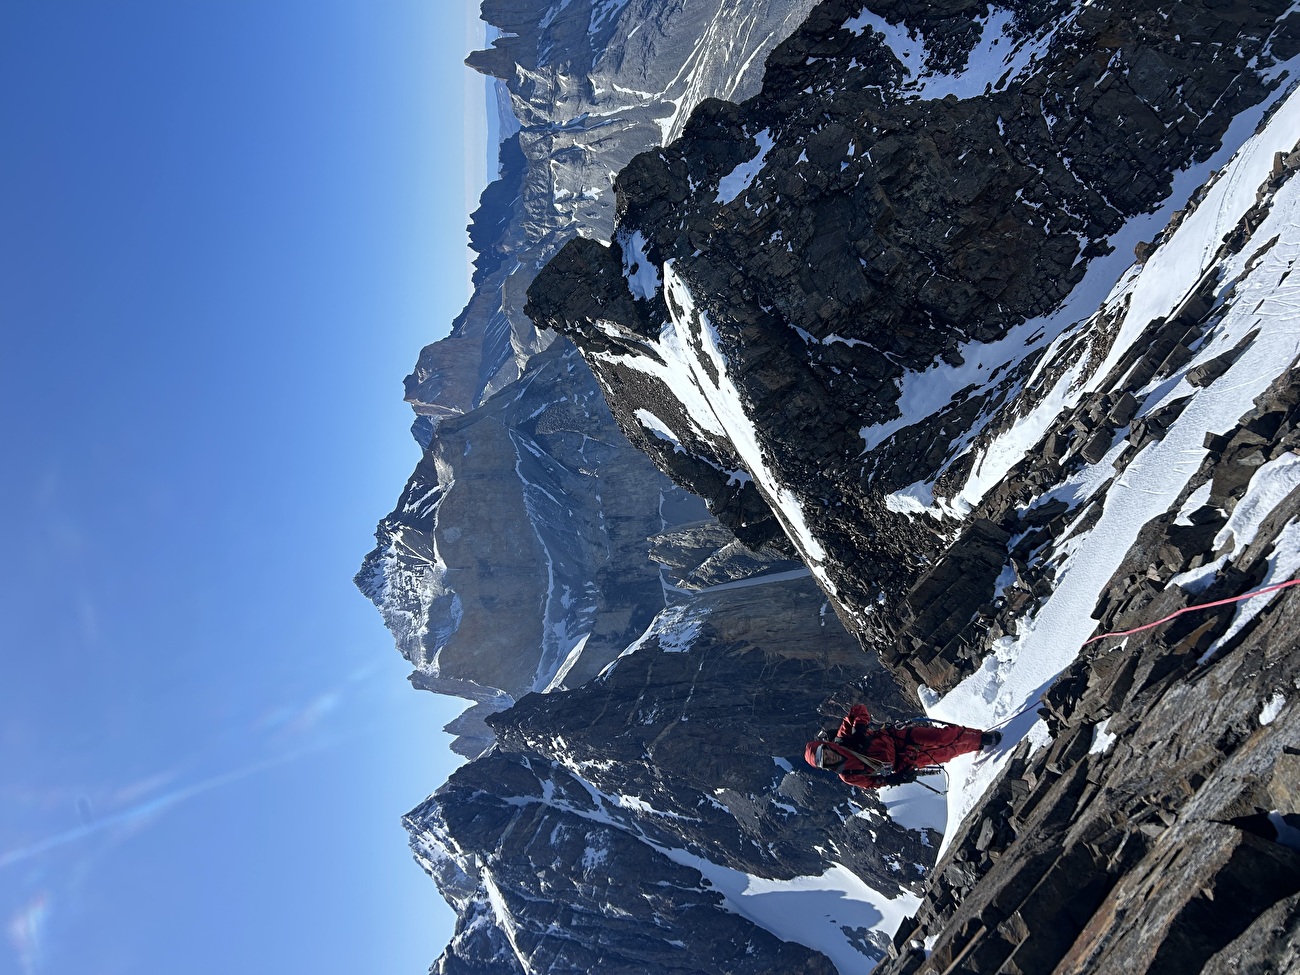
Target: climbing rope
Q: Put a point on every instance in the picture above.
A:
(1006, 721)
(1147, 626)
(1192, 609)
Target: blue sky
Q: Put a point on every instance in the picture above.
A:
(228, 228)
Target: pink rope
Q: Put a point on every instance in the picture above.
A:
(1192, 609)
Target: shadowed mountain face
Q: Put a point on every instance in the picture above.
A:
(883, 322)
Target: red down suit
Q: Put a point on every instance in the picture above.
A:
(892, 749)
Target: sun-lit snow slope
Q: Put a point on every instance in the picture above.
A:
(1258, 294)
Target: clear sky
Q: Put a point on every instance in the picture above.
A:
(228, 226)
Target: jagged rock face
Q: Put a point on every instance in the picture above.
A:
(872, 254)
(547, 897)
(605, 802)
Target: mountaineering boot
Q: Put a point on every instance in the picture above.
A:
(990, 739)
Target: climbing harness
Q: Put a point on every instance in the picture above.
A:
(875, 767)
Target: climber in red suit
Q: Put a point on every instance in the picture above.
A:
(872, 756)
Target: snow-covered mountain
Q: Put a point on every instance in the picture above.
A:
(976, 333)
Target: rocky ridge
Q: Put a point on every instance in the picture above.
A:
(840, 242)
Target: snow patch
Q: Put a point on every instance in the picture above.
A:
(1268, 714)
(638, 270)
(1268, 487)
(1197, 500)
(740, 178)
(659, 428)
(1101, 739)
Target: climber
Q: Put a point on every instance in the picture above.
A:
(870, 755)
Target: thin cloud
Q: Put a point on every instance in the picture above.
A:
(145, 811)
(26, 931)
